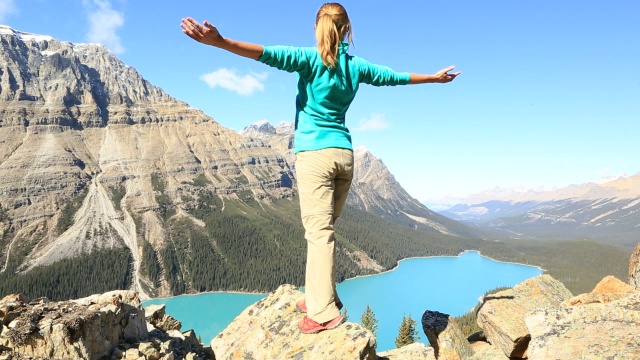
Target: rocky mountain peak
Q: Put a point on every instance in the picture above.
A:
(285, 128)
(360, 149)
(262, 129)
(47, 81)
(259, 127)
(7, 30)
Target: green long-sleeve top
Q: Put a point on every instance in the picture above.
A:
(324, 94)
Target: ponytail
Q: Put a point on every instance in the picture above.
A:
(332, 26)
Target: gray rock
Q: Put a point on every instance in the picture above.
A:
(191, 338)
(87, 328)
(502, 315)
(445, 336)
(268, 329)
(154, 312)
(484, 351)
(167, 323)
(169, 356)
(415, 351)
(608, 289)
(588, 332)
(149, 351)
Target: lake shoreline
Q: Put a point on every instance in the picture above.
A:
(355, 277)
(444, 256)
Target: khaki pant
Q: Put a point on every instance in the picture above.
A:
(324, 177)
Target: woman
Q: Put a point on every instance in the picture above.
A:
(328, 79)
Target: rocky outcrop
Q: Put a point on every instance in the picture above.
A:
(75, 329)
(268, 330)
(502, 315)
(104, 326)
(445, 336)
(533, 321)
(634, 268)
(604, 329)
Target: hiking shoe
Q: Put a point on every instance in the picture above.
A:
(308, 326)
(301, 306)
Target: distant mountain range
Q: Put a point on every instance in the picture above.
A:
(608, 211)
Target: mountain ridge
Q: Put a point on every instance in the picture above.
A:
(622, 186)
(605, 210)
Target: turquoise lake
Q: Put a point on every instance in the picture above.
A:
(448, 284)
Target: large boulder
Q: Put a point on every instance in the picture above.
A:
(608, 289)
(101, 326)
(634, 268)
(502, 315)
(484, 351)
(88, 328)
(444, 334)
(156, 316)
(268, 329)
(593, 331)
(415, 351)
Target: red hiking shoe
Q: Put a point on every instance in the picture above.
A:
(308, 326)
(301, 306)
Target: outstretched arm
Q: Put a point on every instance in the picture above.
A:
(441, 76)
(208, 34)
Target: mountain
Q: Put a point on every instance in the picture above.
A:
(374, 189)
(80, 129)
(108, 182)
(608, 210)
(279, 137)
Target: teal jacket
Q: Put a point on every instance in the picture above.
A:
(324, 94)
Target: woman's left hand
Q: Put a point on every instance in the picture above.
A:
(206, 33)
(443, 75)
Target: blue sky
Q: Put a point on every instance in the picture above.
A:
(549, 93)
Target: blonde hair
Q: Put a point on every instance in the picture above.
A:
(332, 27)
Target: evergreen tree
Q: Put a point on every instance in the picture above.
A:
(369, 321)
(345, 314)
(407, 333)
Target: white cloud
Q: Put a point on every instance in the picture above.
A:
(7, 8)
(230, 80)
(104, 21)
(374, 122)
